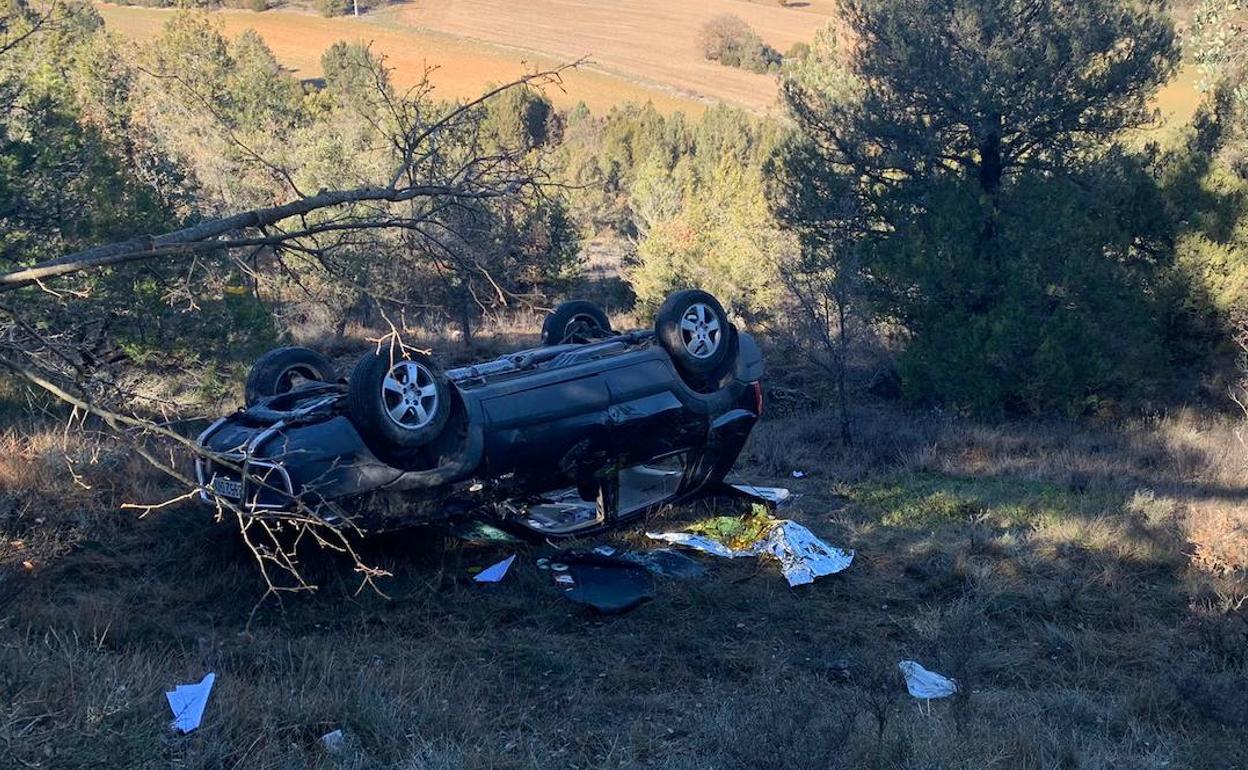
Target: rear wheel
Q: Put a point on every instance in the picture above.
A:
(284, 369)
(576, 321)
(403, 400)
(694, 330)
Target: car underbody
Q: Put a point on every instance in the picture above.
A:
(562, 440)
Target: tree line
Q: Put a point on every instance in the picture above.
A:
(981, 182)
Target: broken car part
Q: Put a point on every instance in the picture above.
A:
(607, 584)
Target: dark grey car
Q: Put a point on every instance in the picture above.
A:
(589, 430)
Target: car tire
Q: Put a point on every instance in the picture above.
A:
(576, 321)
(693, 328)
(279, 371)
(402, 400)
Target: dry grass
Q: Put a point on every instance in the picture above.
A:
(1056, 570)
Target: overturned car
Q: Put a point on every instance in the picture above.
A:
(589, 430)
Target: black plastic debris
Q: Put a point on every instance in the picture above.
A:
(606, 584)
(667, 563)
(481, 532)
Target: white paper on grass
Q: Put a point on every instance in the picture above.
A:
(187, 702)
(333, 741)
(926, 684)
(495, 572)
(802, 556)
(774, 495)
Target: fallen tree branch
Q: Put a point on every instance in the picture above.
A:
(206, 235)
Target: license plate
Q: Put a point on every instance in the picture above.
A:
(227, 487)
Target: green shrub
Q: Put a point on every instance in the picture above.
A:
(798, 51)
(1069, 311)
(1023, 247)
(728, 40)
(333, 7)
(519, 118)
(723, 240)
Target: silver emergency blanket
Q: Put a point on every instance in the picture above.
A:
(777, 496)
(802, 556)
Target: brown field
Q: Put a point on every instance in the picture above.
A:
(464, 67)
(642, 50)
(655, 41)
(1177, 100)
(651, 40)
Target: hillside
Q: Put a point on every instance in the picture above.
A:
(641, 50)
(1050, 580)
(645, 40)
(366, 408)
(463, 67)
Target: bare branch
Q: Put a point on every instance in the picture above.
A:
(206, 235)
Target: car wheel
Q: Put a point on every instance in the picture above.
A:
(694, 330)
(284, 369)
(577, 321)
(403, 400)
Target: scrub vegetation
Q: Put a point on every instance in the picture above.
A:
(1003, 307)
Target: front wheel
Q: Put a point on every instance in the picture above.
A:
(402, 399)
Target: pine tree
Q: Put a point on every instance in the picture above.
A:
(975, 135)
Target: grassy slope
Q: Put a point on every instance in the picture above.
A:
(1054, 570)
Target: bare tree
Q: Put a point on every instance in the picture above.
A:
(289, 226)
(825, 295)
(824, 277)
